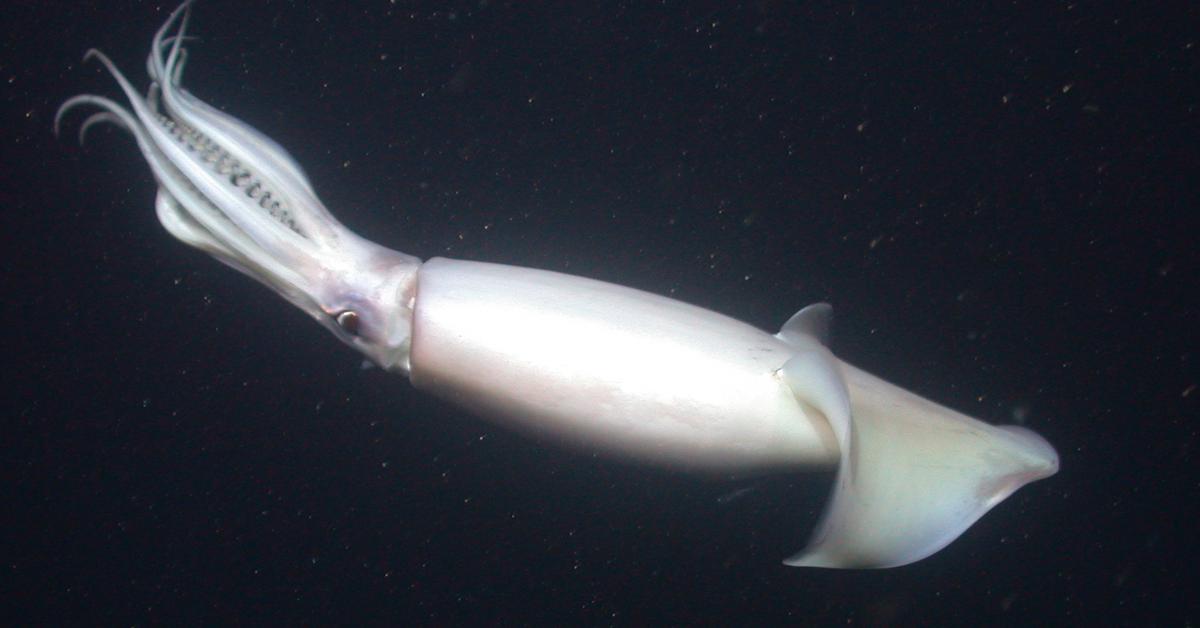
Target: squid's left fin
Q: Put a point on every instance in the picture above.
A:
(912, 475)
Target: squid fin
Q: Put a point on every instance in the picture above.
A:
(912, 475)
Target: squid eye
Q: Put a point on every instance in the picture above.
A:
(348, 321)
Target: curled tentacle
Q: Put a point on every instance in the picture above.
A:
(101, 117)
(110, 106)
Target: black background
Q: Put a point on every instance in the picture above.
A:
(1000, 202)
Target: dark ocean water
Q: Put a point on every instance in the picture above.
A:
(1001, 203)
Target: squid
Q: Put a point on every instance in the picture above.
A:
(574, 360)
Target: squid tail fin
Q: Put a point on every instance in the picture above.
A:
(913, 475)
